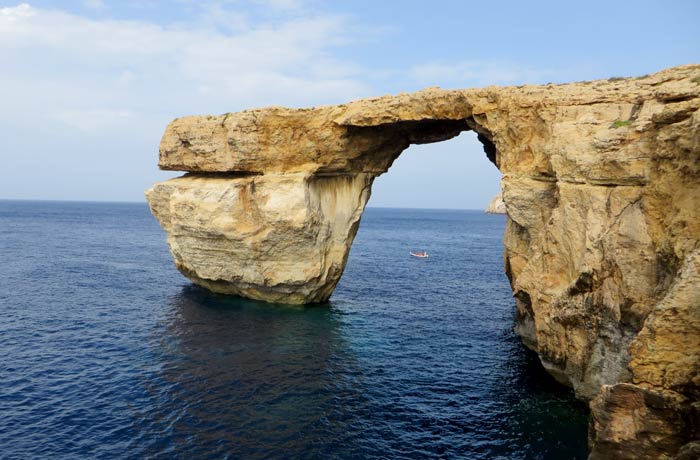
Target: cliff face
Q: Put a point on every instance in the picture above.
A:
(601, 182)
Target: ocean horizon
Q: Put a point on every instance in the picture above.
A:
(146, 203)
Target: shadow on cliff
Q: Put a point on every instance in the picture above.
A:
(194, 297)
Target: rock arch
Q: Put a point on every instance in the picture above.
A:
(296, 183)
(601, 182)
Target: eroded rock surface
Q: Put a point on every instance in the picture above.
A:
(601, 183)
(277, 237)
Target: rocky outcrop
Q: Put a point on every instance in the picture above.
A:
(601, 183)
(496, 205)
(278, 237)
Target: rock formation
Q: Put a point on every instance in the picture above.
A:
(601, 182)
(496, 205)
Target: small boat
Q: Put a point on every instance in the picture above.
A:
(421, 254)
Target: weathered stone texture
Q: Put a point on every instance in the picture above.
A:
(601, 183)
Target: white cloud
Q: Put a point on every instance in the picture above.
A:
(23, 10)
(85, 97)
(476, 73)
(110, 65)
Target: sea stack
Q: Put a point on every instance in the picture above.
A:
(496, 205)
(601, 182)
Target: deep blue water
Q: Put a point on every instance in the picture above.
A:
(108, 352)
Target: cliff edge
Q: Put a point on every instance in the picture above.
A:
(601, 181)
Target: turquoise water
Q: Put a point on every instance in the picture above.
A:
(110, 353)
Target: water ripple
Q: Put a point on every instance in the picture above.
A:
(110, 353)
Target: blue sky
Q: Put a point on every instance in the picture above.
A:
(88, 86)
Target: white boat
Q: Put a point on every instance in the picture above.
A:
(420, 254)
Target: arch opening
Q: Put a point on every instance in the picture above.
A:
(451, 174)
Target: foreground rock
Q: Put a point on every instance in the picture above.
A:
(496, 205)
(601, 181)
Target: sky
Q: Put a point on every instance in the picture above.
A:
(88, 86)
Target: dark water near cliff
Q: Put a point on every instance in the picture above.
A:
(108, 352)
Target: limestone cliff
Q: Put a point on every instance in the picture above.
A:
(496, 205)
(601, 183)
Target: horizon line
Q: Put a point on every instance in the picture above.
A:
(48, 200)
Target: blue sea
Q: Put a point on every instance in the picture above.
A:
(109, 353)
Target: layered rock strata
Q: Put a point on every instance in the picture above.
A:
(601, 183)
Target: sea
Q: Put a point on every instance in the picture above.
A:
(108, 352)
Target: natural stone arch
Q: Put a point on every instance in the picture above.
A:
(601, 182)
(297, 182)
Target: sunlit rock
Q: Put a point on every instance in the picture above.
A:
(601, 183)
